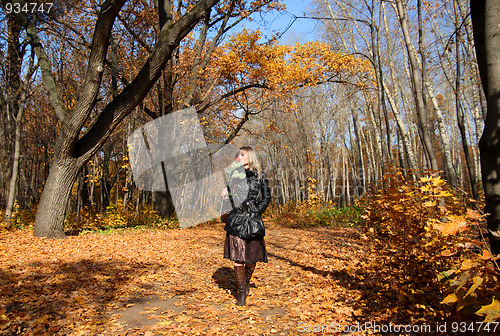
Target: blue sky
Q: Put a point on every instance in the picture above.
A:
(300, 30)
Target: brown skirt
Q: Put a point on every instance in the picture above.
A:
(244, 251)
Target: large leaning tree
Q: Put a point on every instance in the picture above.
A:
(485, 16)
(76, 144)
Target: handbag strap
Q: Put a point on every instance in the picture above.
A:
(229, 190)
(230, 196)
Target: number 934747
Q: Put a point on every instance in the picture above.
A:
(28, 7)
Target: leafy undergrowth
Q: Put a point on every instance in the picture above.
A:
(310, 214)
(118, 218)
(169, 282)
(436, 239)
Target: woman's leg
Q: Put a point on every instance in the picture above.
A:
(239, 275)
(249, 268)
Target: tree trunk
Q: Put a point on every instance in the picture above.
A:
(485, 16)
(477, 92)
(378, 140)
(403, 134)
(56, 192)
(335, 177)
(286, 183)
(344, 178)
(445, 140)
(460, 113)
(360, 154)
(381, 106)
(474, 149)
(15, 172)
(401, 155)
(417, 88)
(402, 130)
(163, 203)
(105, 183)
(13, 109)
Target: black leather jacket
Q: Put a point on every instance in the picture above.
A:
(259, 192)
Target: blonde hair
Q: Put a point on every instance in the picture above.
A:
(253, 160)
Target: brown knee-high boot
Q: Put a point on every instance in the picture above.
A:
(249, 268)
(239, 275)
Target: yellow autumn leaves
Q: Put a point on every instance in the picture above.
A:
(470, 275)
(434, 192)
(245, 60)
(429, 221)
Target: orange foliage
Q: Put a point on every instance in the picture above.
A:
(283, 67)
(269, 72)
(434, 232)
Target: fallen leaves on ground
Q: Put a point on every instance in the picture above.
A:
(170, 282)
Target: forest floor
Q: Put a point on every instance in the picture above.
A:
(175, 282)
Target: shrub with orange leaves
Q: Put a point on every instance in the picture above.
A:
(433, 228)
(404, 208)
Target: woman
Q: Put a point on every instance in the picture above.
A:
(246, 253)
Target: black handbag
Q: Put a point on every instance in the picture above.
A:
(246, 225)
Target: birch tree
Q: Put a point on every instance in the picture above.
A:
(417, 87)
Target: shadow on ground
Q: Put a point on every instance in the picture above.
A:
(46, 292)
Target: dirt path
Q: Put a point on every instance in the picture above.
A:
(289, 289)
(176, 282)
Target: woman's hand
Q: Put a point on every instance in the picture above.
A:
(224, 193)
